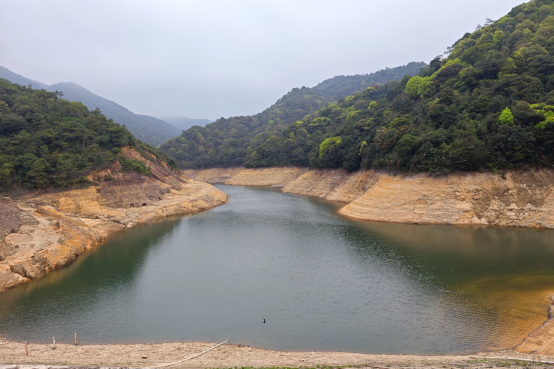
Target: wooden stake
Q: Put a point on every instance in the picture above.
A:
(54, 341)
(26, 349)
(75, 339)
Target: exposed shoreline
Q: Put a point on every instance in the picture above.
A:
(47, 232)
(235, 355)
(99, 221)
(522, 198)
(541, 340)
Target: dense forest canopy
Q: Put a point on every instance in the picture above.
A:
(488, 105)
(48, 141)
(226, 142)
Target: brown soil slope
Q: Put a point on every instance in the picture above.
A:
(520, 199)
(218, 175)
(334, 184)
(46, 232)
(265, 177)
(523, 199)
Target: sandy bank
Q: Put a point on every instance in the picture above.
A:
(228, 356)
(541, 341)
(42, 233)
(247, 177)
(523, 199)
(520, 199)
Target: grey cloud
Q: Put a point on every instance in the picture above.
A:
(212, 58)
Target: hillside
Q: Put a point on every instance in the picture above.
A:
(341, 86)
(148, 129)
(488, 106)
(48, 141)
(229, 142)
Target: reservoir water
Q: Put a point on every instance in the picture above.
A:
(321, 282)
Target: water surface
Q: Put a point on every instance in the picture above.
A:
(321, 282)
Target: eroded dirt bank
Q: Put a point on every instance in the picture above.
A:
(45, 232)
(521, 199)
(229, 356)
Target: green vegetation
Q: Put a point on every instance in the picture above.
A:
(488, 105)
(147, 129)
(231, 142)
(47, 141)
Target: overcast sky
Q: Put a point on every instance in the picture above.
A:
(213, 58)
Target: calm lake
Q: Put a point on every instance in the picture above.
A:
(321, 282)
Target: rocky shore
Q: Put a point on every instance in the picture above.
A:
(43, 232)
(522, 198)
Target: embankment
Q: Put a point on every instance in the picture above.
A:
(41, 233)
(519, 199)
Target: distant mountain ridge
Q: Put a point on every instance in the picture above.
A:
(183, 123)
(340, 86)
(148, 129)
(233, 141)
(20, 80)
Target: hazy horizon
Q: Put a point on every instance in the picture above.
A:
(213, 58)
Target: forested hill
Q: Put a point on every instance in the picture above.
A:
(48, 141)
(341, 86)
(229, 142)
(148, 129)
(488, 106)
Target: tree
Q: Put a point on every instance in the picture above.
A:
(506, 118)
(413, 85)
(37, 175)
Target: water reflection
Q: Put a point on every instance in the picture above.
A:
(320, 281)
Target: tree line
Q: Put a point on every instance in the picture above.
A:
(227, 142)
(487, 105)
(46, 141)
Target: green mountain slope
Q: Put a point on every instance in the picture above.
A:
(341, 86)
(148, 129)
(488, 105)
(229, 142)
(145, 128)
(48, 141)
